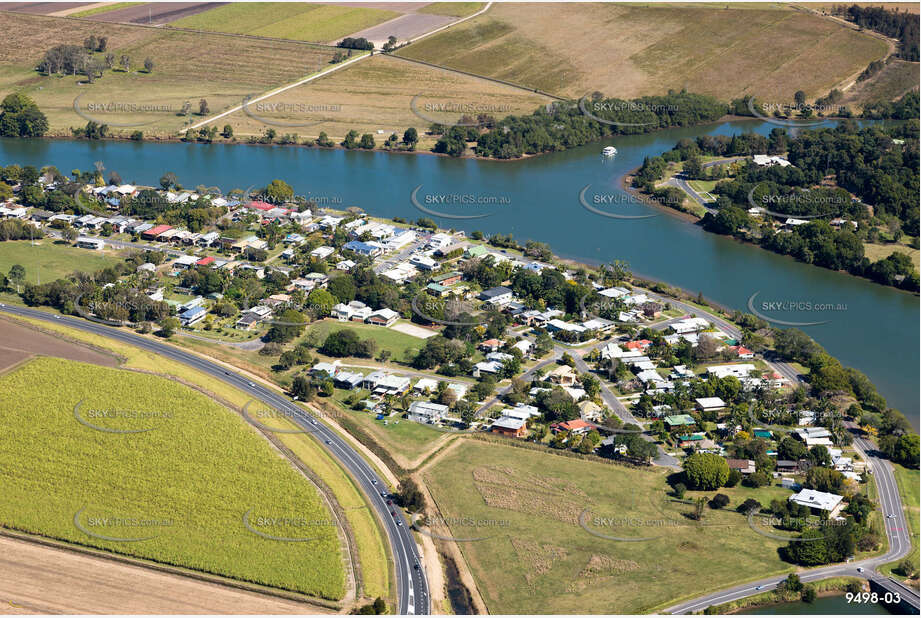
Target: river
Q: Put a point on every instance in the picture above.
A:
(538, 198)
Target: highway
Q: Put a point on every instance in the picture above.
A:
(897, 534)
(412, 587)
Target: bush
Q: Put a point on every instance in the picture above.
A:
(808, 594)
(719, 501)
(734, 478)
(748, 506)
(758, 479)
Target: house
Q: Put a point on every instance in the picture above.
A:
(425, 384)
(346, 265)
(323, 370)
(447, 279)
(482, 367)
(383, 317)
(355, 309)
(368, 249)
(497, 295)
(524, 346)
(745, 466)
(639, 345)
(817, 500)
(814, 436)
(768, 161)
(521, 411)
(208, 239)
(555, 326)
(426, 412)
(475, 251)
(742, 351)
(192, 315)
(575, 427)
(490, 345)
(509, 426)
(589, 411)
(458, 389)
(90, 243)
(739, 370)
(423, 261)
(321, 253)
(679, 420)
(247, 321)
(708, 404)
(381, 383)
(154, 232)
(690, 325)
(147, 268)
(786, 466)
(185, 261)
(564, 375)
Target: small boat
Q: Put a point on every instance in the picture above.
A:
(609, 151)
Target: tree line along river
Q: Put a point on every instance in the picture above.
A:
(867, 326)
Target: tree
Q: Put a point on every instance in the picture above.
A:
(168, 326)
(799, 97)
(20, 117)
(411, 138)
(125, 61)
(409, 496)
(680, 489)
(227, 133)
(278, 192)
(148, 65)
(793, 583)
(758, 479)
(809, 594)
(734, 478)
(168, 180)
(320, 302)
(391, 44)
(17, 275)
(706, 471)
(203, 108)
(367, 142)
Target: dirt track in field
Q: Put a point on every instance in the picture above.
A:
(45, 580)
(18, 342)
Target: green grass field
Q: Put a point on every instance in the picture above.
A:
(452, 9)
(288, 20)
(48, 260)
(196, 472)
(104, 9)
(402, 347)
(537, 558)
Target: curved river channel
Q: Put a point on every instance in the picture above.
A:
(868, 326)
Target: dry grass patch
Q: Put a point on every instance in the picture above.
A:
(632, 50)
(376, 94)
(187, 67)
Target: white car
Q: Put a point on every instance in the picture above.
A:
(860, 569)
(251, 384)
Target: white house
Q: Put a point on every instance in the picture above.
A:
(818, 500)
(426, 411)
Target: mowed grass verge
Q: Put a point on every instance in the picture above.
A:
(910, 491)
(46, 260)
(288, 20)
(188, 66)
(632, 50)
(368, 534)
(196, 470)
(535, 557)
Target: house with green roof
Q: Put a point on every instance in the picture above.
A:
(476, 251)
(679, 420)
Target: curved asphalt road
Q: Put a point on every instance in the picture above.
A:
(412, 587)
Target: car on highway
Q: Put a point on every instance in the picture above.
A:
(329, 441)
(758, 587)
(416, 566)
(374, 481)
(314, 421)
(394, 513)
(399, 523)
(860, 569)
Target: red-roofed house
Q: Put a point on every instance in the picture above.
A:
(742, 351)
(205, 261)
(260, 205)
(153, 232)
(576, 426)
(642, 344)
(490, 345)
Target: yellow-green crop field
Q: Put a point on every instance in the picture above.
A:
(192, 486)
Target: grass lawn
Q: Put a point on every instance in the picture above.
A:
(184, 473)
(876, 252)
(48, 260)
(908, 481)
(288, 20)
(402, 347)
(629, 50)
(405, 440)
(188, 66)
(104, 9)
(453, 9)
(537, 558)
